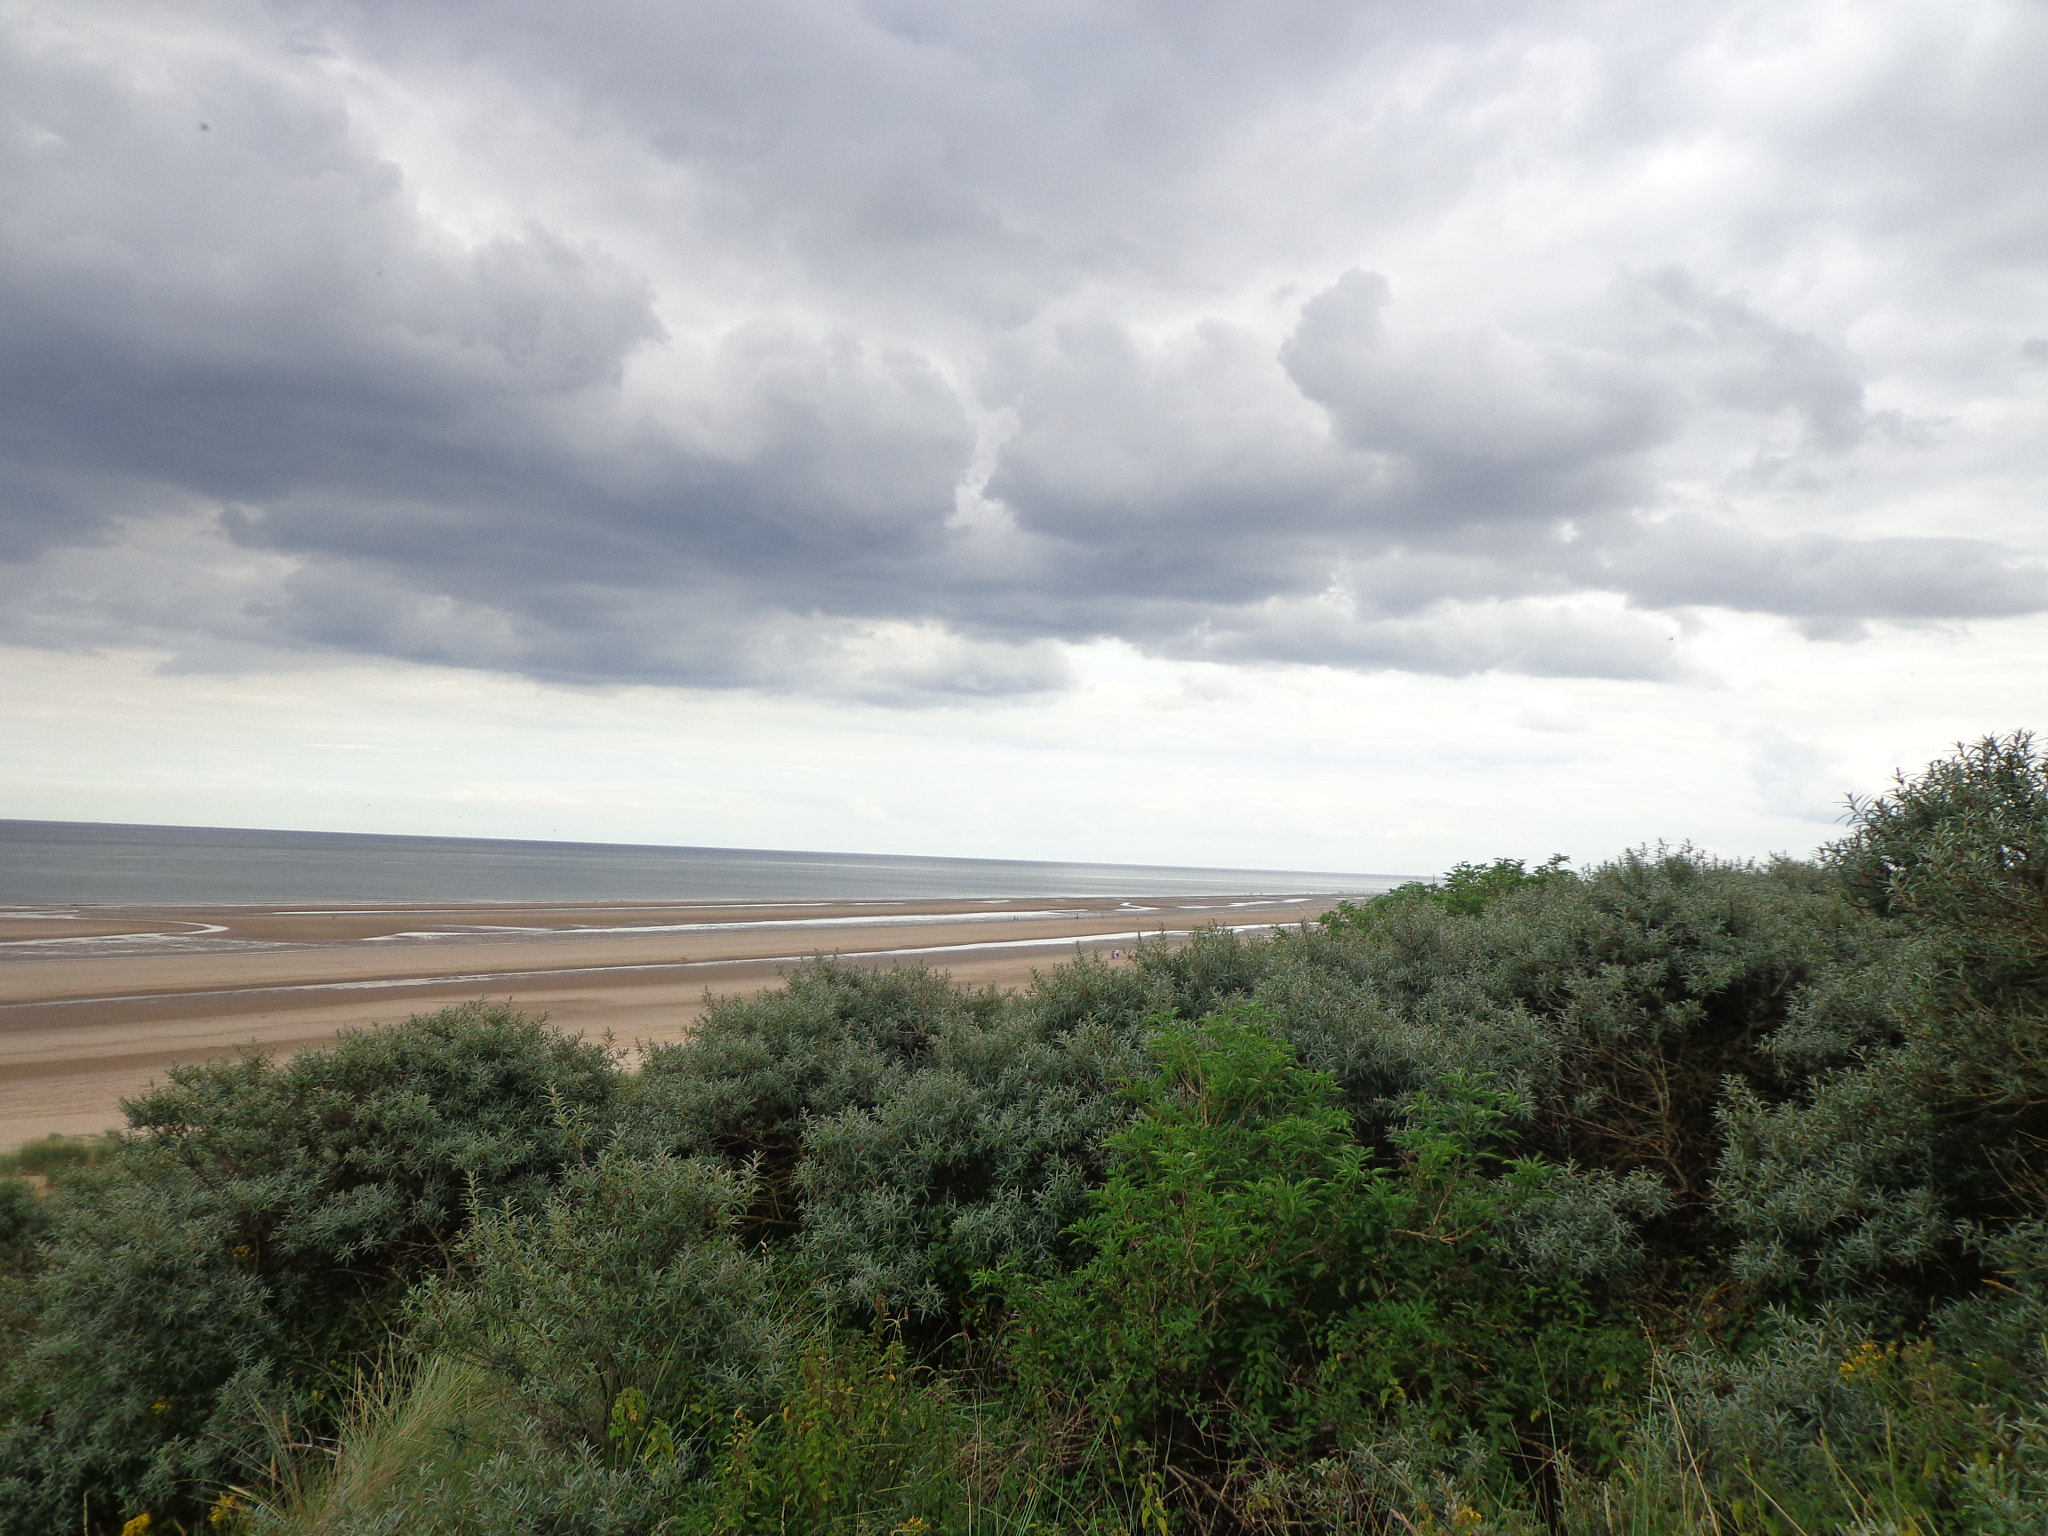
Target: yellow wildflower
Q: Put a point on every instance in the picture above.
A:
(139, 1526)
(1863, 1360)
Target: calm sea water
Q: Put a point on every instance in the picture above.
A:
(78, 861)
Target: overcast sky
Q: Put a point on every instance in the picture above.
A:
(1304, 434)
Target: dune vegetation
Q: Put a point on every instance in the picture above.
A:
(1665, 1194)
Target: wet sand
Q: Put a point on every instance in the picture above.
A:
(95, 1002)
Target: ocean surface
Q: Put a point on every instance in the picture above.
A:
(117, 864)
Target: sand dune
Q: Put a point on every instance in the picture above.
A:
(95, 1002)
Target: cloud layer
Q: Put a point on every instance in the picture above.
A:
(883, 349)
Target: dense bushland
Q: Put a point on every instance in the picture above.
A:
(1665, 1194)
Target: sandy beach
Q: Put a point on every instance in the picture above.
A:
(95, 1002)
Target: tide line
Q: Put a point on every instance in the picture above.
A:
(482, 977)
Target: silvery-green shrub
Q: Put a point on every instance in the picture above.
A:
(1914, 1125)
(249, 1241)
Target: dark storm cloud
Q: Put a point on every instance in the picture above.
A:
(251, 309)
(928, 338)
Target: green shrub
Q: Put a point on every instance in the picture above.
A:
(902, 1132)
(23, 1221)
(987, 1151)
(656, 1372)
(1091, 993)
(1816, 1425)
(1912, 1139)
(627, 1280)
(1212, 970)
(347, 1165)
(242, 1251)
(834, 1036)
(1465, 891)
(145, 1321)
(865, 1441)
(1259, 1287)
(1620, 1004)
(1963, 847)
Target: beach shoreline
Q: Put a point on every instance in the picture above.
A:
(97, 1001)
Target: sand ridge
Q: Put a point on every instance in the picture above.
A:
(95, 1002)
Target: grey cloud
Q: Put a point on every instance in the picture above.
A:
(1188, 472)
(1734, 355)
(1460, 468)
(607, 636)
(818, 458)
(1827, 583)
(989, 151)
(948, 398)
(254, 309)
(1479, 424)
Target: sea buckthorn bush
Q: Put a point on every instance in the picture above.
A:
(898, 1131)
(240, 1254)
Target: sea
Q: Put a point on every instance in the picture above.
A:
(119, 864)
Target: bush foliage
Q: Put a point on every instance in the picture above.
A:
(1669, 1193)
